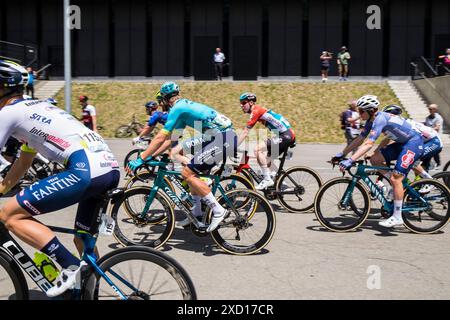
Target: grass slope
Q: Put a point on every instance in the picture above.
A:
(312, 108)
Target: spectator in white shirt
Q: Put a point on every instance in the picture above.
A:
(219, 57)
(435, 121)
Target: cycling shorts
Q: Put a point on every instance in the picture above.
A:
(405, 154)
(277, 145)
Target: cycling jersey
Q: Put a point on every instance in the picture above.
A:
(87, 113)
(91, 168)
(186, 113)
(272, 120)
(157, 117)
(394, 127)
(426, 132)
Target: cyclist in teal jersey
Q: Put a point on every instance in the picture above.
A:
(216, 142)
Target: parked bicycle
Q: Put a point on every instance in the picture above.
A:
(343, 204)
(294, 188)
(132, 273)
(149, 219)
(127, 130)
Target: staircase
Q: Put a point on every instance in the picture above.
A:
(412, 102)
(47, 89)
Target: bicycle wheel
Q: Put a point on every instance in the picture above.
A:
(146, 176)
(123, 132)
(133, 229)
(132, 155)
(297, 188)
(437, 213)
(140, 273)
(246, 229)
(13, 285)
(336, 216)
(443, 177)
(376, 210)
(447, 166)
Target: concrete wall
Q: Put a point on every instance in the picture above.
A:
(437, 90)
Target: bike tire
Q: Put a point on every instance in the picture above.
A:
(132, 155)
(359, 217)
(447, 166)
(13, 272)
(163, 222)
(443, 177)
(440, 193)
(313, 181)
(95, 286)
(123, 132)
(258, 202)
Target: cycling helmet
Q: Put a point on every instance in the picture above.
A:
(151, 105)
(159, 97)
(83, 98)
(52, 101)
(12, 75)
(169, 89)
(368, 103)
(247, 96)
(394, 109)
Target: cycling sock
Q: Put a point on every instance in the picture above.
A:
(398, 209)
(425, 175)
(211, 201)
(266, 173)
(55, 250)
(197, 209)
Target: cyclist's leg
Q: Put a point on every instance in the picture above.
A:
(90, 204)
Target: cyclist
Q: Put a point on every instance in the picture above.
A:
(432, 144)
(277, 124)
(89, 114)
(407, 149)
(52, 101)
(91, 169)
(156, 117)
(217, 141)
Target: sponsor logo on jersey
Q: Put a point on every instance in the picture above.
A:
(55, 185)
(32, 103)
(39, 118)
(59, 143)
(407, 159)
(109, 164)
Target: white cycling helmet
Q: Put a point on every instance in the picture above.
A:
(368, 102)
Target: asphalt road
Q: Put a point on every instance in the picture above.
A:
(303, 261)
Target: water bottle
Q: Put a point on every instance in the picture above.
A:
(46, 266)
(227, 170)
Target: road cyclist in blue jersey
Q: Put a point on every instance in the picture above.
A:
(155, 117)
(406, 149)
(215, 140)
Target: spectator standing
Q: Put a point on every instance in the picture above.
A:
(351, 122)
(89, 115)
(30, 84)
(446, 59)
(325, 60)
(342, 61)
(435, 121)
(219, 58)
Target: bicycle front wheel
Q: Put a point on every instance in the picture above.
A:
(334, 213)
(249, 227)
(431, 216)
(297, 187)
(140, 273)
(134, 227)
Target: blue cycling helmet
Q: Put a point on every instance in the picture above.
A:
(394, 109)
(151, 105)
(169, 89)
(52, 101)
(247, 96)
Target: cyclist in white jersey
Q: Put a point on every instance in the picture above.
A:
(91, 170)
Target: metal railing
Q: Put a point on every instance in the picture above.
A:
(24, 54)
(422, 68)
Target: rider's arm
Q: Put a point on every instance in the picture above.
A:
(353, 145)
(146, 131)
(383, 144)
(243, 135)
(156, 144)
(17, 171)
(362, 150)
(375, 130)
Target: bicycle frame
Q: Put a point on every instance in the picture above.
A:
(361, 174)
(160, 183)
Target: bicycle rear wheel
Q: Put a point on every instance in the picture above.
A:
(297, 188)
(249, 227)
(13, 285)
(337, 216)
(151, 230)
(443, 177)
(140, 273)
(437, 213)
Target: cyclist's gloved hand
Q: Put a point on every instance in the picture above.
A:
(338, 157)
(133, 165)
(136, 140)
(345, 164)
